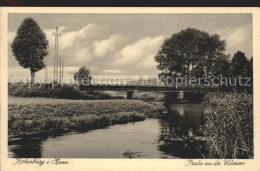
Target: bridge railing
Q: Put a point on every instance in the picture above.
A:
(152, 82)
(146, 88)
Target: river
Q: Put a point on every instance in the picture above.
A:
(144, 139)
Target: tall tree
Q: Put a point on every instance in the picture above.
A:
(190, 52)
(221, 66)
(29, 46)
(248, 70)
(239, 64)
(83, 76)
(251, 67)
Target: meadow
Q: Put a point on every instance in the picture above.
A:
(28, 116)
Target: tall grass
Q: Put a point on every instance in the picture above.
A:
(229, 125)
(27, 119)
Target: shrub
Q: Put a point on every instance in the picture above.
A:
(229, 125)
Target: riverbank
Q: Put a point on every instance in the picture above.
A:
(28, 116)
(59, 91)
(228, 125)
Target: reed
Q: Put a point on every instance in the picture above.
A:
(229, 125)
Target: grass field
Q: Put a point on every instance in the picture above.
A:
(40, 115)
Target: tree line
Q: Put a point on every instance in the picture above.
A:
(196, 53)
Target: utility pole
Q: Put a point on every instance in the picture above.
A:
(56, 54)
(62, 69)
(46, 75)
(54, 73)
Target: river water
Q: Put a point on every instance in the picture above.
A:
(144, 139)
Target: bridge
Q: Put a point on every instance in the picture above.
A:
(148, 88)
(193, 94)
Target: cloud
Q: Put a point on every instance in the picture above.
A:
(112, 71)
(89, 32)
(11, 36)
(83, 46)
(140, 51)
(149, 61)
(107, 45)
(104, 53)
(107, 54)
(238, 39)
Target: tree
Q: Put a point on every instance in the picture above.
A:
(221, 66)
(29, 46)
(190, 52)
(250, 73)
(248, 70)
(242, 67)
(239, 64)
(83, 76)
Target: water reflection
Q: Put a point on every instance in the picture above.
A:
(178, 127)
(149, 138)
(26, 147)
(183, 118)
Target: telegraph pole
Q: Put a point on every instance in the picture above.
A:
(46, 75)
(54, 64)
(62, 69)
(56, 54)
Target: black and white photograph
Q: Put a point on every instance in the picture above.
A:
(130, 85)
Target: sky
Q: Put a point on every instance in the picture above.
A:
(123, 45)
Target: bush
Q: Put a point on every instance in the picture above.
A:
(229, 125)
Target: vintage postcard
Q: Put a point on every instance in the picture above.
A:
(129, 88)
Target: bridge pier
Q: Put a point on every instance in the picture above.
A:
(135, 94)
(129, 94)
(193, 97)
(180, 95)
(170, 96)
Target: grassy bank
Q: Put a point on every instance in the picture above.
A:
(229, 125)
(151, 96)
(65, 115)
(61, 91)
